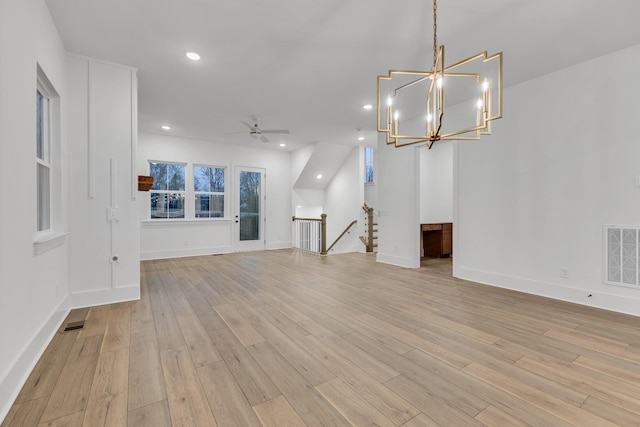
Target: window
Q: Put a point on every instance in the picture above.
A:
(208, 184)
(43, 157)
(168, 190)
(368, 164)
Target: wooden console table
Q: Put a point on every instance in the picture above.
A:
(437, 239)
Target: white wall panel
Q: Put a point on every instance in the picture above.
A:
(533, 197)
(34, 288)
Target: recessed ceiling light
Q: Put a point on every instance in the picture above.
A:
(361, 138)
(165, 127)
(367, 106)
(298, 206)
(282, 144)
(193, 56)
(319, 176)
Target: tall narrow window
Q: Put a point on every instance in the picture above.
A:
(168, 191)
(43, 159)
(368, 164)
(208, 184)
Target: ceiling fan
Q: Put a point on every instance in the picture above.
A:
(256, 132)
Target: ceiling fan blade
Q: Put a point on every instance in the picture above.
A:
(276, 131)
(263, 138)
(251, 127)
(244, 132)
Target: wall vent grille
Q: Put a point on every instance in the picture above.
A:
(622, 255)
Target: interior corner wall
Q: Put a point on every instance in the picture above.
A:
(104, 228)
(34, 288)
(398, 204)
(533, 197)
(192, 237)
(436, 183)
(344, 197)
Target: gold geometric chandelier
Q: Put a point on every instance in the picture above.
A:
(411, 104)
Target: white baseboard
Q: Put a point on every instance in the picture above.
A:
(105, 296)
(603, 300)
(18, 373)
(395, 260)
(279, 245)
(181, 253)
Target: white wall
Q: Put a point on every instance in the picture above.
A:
(344, 197)
(102, 152)
(43, 275)
(532, 198)
(398, 204)
(436, 183)
(33, 288)
(165, 239)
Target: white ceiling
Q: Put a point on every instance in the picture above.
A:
(309, 65)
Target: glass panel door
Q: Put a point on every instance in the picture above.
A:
(249, 216)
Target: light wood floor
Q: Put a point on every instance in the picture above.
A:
(284, 338)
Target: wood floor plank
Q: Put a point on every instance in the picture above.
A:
(617, 392)
(277, 412)
(310, 368)
(338, 340)
(417, 342)
(187, 402)
(198, 341)
(240, 327)
(351, 406)
(421, 420)
(618, 368)
(586, 340)
(391, 405)
(96, 321)
(141, 314)
(44, 376)
(146, 381)
(545, 402)
(253, 381)
(118, 330)
(366, 361)
(493, 416)
(307, 402)
(610, 412)
(477, 391)
(167, 329)
(72, 389)
(27, 413)
(73, 420)
(107, 403)
(226, 399)
(153, 415)
(432, 405)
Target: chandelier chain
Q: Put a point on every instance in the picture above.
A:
(435, 34)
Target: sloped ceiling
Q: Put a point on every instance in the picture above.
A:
(309, 65)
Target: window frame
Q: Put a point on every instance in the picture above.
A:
(49, 158)
(44, 221)
(168, 192)
(210, 193)
(366, 164)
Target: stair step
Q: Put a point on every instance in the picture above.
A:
(375, 245)
(375, 230)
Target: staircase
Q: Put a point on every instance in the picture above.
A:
(370, 240)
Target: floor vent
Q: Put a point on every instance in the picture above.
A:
(622, 255)
(74, 326)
